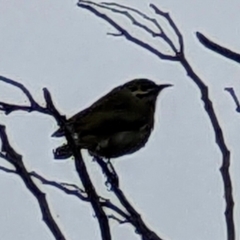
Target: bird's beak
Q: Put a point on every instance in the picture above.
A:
(162, 86)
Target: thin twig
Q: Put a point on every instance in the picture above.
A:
(234, 96)
(61, 186)
(4, 169)
(166, 16)
(34, 106)
(124, 32)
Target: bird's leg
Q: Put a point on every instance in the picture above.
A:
(110, 167)
(108, 170)
(114, 177)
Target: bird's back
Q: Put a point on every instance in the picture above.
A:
(111, 114)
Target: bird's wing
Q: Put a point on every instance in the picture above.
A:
(79, 121)
(110, 114)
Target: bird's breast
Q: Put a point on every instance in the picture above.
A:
(122, 143)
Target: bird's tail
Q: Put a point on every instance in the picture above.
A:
(58, 133)
(62, 152)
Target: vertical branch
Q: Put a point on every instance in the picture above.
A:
(219, 138)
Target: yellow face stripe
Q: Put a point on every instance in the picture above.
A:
(140, 92)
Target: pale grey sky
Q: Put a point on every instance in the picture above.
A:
(174, 182)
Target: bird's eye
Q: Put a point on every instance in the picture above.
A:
(134, 88)
(145, 88)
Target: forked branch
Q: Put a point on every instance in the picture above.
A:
(50, 109)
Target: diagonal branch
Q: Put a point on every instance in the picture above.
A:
(217, 48)
(134, 217)
(144, 16)
(131, 18)
(124, 32)
(234, 96)
(161, 34)
(76, 191)
(10, 155)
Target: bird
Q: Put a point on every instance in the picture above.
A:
(117, 124)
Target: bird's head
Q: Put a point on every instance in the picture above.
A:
(145, 89)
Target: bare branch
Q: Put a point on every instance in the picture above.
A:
(235, 99)
(61, 186)
(124, 32)
(79, 193)
(21, 87)
(132, 19)
(4, 169)
(217, 48)
(8, 108)
(180, 57)
(115, 34)
(79, 163)
(120, 221)
(134, 217)
(9, 154)
(172, 24)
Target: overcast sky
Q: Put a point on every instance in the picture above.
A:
(174, 182)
